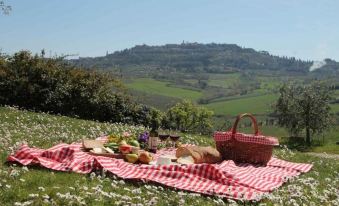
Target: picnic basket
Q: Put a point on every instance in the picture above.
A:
(250, 148)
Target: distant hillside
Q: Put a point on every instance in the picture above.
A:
(195, 57)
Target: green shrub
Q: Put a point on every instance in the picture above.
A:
(186, 116)
(50, 85)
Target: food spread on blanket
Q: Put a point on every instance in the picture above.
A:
(135, 151)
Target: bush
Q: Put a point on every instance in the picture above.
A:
(186, 116)
(50, 85)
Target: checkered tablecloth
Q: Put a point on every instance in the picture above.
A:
(226, 179)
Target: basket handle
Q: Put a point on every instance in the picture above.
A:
(239, 117)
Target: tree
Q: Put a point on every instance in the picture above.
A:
(304, 108)
(186, 116)
(5, 8)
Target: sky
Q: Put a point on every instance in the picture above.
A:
(305, 29)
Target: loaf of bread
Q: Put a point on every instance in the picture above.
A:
(200, 154)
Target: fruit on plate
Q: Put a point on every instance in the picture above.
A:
(122, 142)
(134, 143)
(125, 149)
(145, 157)
(113, 138)
(135, 150)
(132, 158)
(113, 146)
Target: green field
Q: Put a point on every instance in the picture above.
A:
(223, 80)
(38, 186)
(255, 105)
(163, 88)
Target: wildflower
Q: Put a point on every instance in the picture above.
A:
(92, 175)
(42, 189)
(45, 196)
(33, 195)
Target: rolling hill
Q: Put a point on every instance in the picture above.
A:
(195, 57)
(225, 78)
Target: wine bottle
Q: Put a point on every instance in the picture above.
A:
(153, 141)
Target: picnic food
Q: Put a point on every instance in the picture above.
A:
(163, 160)
(186, 160)
(134, 143)
(113, 138)
(112, 145)
(98, 150)
(125, 149)
(122, 142)
(145, 157)
(199, 154)
(132, 158)
(109, 150)
(90, 144)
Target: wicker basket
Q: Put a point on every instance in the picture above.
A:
(247, 148)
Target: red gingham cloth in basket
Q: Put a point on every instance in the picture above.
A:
(226, 179)
(260, 139)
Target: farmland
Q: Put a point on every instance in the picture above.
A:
(256, 105)
(152, 86)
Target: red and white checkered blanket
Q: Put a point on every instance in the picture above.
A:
(227, 179)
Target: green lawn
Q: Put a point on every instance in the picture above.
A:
(255, 105)
(163, 88)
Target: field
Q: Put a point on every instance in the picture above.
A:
(162, 94)
(152, 86)
(255, 102)
(255, 105)
(36, 186)
(223, 80)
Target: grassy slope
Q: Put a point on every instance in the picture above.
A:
(39, 186)
(256, 105)
(161, 88)
(255, 102)
(223, 80)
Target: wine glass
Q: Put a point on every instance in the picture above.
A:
(174, 138)
(163, 136)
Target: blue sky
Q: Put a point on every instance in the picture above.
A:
(306, 29)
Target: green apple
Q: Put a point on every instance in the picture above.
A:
(132, 158)
(122, 142)
(134, 143)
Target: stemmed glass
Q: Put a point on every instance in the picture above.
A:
(174, 136)
(163, 136)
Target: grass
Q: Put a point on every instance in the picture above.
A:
(38, 186)
(255, 105)
(321, 143)
(163, 88)
(223, 80)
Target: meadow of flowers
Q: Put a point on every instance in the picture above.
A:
(37, 186)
